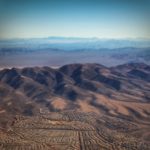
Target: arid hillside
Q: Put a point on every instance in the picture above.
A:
(76, 106)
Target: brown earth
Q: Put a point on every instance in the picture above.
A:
(76, 106)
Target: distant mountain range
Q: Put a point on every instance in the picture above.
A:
(72, 43)
(58, 51)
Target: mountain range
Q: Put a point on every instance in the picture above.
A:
(81, 87)
(78, 106)
(58, 51)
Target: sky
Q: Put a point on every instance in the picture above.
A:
(74, 18)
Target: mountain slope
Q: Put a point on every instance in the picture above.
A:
(86, 101)
(79, 85)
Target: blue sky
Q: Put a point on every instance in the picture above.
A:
(75, 18)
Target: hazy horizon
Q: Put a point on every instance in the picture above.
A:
(76, 37)
(45, 32)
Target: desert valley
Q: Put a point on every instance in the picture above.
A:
(74, 74)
